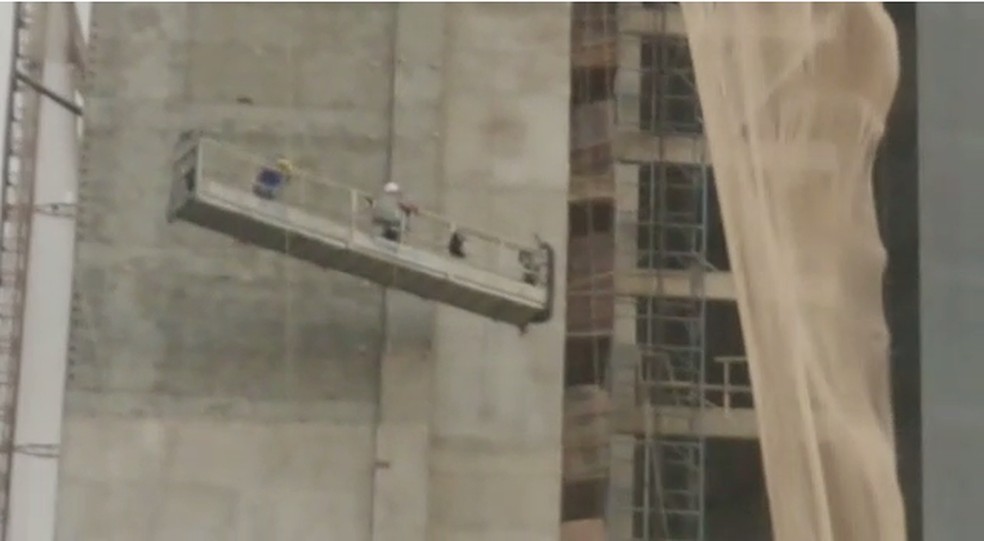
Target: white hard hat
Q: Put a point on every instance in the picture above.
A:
(391, 187)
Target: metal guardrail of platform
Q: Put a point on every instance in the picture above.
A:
(331, 224)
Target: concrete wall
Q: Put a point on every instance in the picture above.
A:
(495, 469)
(951, 158)
(401, 490)
(218, 392)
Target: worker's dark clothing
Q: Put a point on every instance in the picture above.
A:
(268, 183)
(456, 245)
(391, 232)
(391, 213)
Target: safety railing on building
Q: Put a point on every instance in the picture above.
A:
(16, 211)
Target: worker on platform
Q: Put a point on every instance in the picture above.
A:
(456, 245)
(391, 212)
(270, 181)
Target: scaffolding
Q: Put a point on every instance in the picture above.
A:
(659, 352)
(590, 301)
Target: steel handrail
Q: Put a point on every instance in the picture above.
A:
(320, 179)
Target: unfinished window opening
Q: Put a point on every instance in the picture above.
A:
(583, 499)
(586, 359)
(717, 247)
(589, 217)
(668, 94)
(592, 19)
(724, 342)
(670, 337)
(664, 479)
(671, 230)
(592, 84)
(667, 322)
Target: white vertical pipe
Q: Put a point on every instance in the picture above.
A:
(48, 300)
(83, 11)
(7, 23)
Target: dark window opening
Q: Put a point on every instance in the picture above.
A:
(584, 499)
(586, 360)
(666, 472)
(668, 97)
(589, 85)
(668, 322)
(671, 232)
(717, 247)
(670, 333)
(593, 17)
(724, 339)
(588, 217)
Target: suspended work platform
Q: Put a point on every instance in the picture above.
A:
(331, 225)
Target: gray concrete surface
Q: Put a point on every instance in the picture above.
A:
(495, 469)
(951, 261)
(217, 392)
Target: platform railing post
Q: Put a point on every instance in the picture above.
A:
(353, 211)
(447, 256)
(199, 172)
(727, 386)
(508, 257)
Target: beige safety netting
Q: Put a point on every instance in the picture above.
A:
(795, 98)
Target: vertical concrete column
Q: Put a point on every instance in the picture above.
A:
(496, 433)
(628, 78)
(623, 377)
(626, 219)
(40, 399)
(400, 502)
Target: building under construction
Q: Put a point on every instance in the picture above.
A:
(653, 334)
(651, 305)
(246, 369)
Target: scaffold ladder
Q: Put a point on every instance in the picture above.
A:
(658, 102)
(678, 372)
(20, 130)
(672, 370)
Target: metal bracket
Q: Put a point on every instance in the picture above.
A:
(58, 210)
(39, 450)
(66, 103)
(549, 264)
